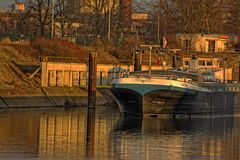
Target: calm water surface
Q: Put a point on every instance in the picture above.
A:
(104, 134)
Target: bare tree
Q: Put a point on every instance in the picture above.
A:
(97, 14)
(197, 16)
(38, 13)
(233, 18)
(63, 17)
(213, 15)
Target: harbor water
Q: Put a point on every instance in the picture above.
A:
(104, 134)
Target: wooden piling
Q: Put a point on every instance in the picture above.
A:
(92, 70)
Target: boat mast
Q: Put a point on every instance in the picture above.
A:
(150, 46)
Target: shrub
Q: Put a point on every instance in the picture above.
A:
(59, 47)
(5, 40)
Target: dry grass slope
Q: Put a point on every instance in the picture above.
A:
(28, 53)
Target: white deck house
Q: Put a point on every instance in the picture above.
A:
(211, 65)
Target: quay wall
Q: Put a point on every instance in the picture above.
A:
(53, 97)
(216, 103)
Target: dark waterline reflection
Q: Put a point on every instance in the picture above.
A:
(104, 134)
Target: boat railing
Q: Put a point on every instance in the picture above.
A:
(210, 86)
(167, 77)
(221, 87)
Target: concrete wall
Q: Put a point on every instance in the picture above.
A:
(54, 97)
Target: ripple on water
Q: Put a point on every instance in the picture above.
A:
(107, 135)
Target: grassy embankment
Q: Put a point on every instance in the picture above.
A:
(18, 61)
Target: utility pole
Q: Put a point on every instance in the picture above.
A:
(109, 20)
(52, 19)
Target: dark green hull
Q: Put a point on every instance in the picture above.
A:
(164, 101)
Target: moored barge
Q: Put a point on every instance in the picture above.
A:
(174, 92)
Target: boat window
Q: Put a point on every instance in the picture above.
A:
(201, 63)
(186, 44)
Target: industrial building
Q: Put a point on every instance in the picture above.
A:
(75, 74)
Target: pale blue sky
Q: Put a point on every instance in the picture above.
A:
(6, 3)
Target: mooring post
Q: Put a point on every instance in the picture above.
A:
(92, 72)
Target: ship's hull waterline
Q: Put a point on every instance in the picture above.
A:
(171, 97)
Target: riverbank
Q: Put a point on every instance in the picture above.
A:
(52, 97)
(19, 89)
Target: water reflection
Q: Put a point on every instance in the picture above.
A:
(103, 134)
(19, 135)
(76, 134)
(154, 138)
(62, 134)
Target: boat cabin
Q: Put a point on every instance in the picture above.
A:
(208, 66)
